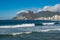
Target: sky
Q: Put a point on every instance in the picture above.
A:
(9, 8)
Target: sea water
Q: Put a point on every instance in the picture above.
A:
(29, 30)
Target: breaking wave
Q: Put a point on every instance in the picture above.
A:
(21, 33)
(28, 25)
(30, 28)
(50, 30)
(57, 30)
(15, 26)
(52, 23)
(17, 33)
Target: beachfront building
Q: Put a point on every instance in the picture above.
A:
(55, 17)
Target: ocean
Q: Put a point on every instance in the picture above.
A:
(29, 30)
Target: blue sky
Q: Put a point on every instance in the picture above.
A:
(9, 8)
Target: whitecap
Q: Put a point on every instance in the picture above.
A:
(47, 30)
(21, 25)
(20, 33)
(50, 23)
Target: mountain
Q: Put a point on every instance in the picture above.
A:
(30, 15)
(47, 14)
(24, 15)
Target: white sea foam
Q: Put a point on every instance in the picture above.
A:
(20, 33)
(15, 26)
(47, 30)
(49, 23)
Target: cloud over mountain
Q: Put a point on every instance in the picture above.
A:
(55, 8)
(34, 13)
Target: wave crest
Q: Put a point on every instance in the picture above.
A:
(15, 26)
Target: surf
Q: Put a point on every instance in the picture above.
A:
(21, 25)
(50, 23)
(18, 33)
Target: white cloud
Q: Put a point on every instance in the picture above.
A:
(55, 8)
(39, 10)
(22, 11)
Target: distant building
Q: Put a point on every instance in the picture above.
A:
(55, 17)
